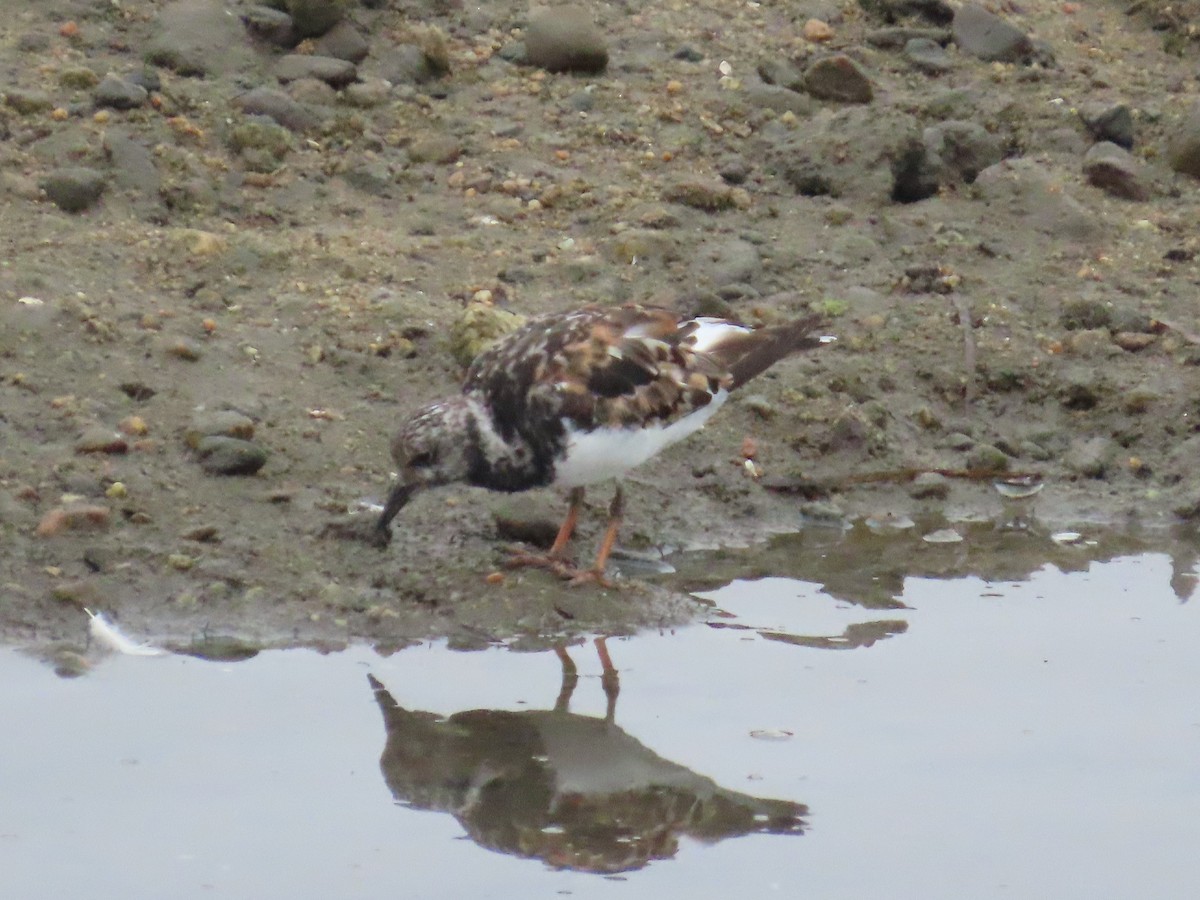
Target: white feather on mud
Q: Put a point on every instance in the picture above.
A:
(106, 634)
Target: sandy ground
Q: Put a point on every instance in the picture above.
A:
(302, 289)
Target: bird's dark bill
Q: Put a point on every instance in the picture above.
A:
(400, 494)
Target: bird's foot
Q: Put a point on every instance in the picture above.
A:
(576, 577)
(521, 558)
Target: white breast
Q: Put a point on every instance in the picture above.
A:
(604, 453)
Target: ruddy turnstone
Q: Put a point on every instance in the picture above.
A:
(574, 398)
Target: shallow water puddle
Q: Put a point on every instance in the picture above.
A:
(1028, 739)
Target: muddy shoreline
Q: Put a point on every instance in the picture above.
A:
(193, 289)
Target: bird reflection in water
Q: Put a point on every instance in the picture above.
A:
(574, 791)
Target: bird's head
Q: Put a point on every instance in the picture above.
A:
(430, 449)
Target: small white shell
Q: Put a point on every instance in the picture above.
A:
(943, 536)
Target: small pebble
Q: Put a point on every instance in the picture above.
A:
(943, 536)
(101, 440)
(73, 516)
(220, 455)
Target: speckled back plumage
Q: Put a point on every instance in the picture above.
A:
(620, 367)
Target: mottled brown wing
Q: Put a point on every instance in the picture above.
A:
(510, 377)
(635, 366)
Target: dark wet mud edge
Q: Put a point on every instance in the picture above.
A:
(448, 582)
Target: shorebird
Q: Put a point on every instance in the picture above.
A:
(575, 398)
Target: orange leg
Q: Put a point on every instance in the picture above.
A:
(616, 512)
(554, 560)
(568, 525)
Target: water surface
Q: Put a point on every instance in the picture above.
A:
(1034, 738)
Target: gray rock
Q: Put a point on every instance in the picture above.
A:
(441, 149)
(132, 163)
(897, 36)
(930, 486)
(779, 99)
(312, 93)
(1090, 457)
(219, 455)
(74, 189)
(1109, 122)
(199, 37)
(937, 11)
(838, 78)
(312, 18)
(988, 37)
(781, 73)
(1183, 147)
(117, 93)
(1115, 171)
(407, 64)
(959, 151)
(987, 458)
(565, 39)
(344, 41)
(218, 423)
(336, 73)
(271, 25)
(368, 93)
(928, 56)
(278, 106)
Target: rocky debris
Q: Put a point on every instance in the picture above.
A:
(930, 486)
(198, 38)
(271, 25)
(1109, 122)
(1112, 169)
(312, 18)
(987, 36)
(928, 56)
(898, 36)
(937, 11)
(117, 93)
(261, 143)
(337, 73)
(781, 72)
(1090, 457)
(73, 517)
(958, 151)
(74, 189)
(28, 101)
(221, 422)
(710, 196)
(278, 106)
(838, 78)
(565, 39)
(101, 440)
(343, 41)
(221, 455)
(1183, 148)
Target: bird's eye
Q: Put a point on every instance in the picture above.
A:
(421, 459)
